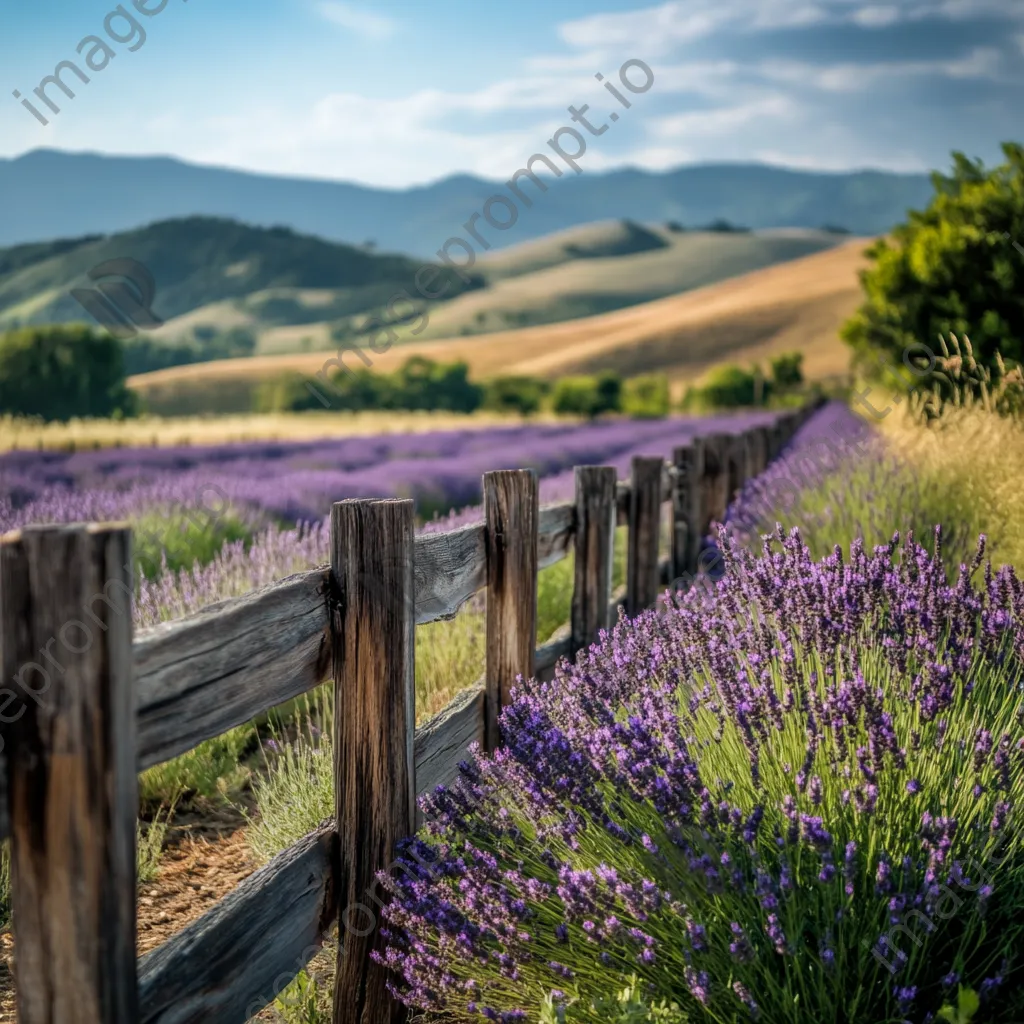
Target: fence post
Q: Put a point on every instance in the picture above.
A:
(595, 549)
(739, 472)
(687, 507)
(716, 479)
(644, 534)
(511, 511)
(372, 623)
(760, 447)
(66, 640)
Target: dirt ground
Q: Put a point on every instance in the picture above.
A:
(205, 858)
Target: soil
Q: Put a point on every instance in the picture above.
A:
(205, 858)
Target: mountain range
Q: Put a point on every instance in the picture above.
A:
(51, 194)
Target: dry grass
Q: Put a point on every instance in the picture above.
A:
(794, 305)
(974, 460)
(201, 430)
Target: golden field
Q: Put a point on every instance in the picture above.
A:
(165, 432)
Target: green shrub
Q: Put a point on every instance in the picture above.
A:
(61, 372)
(952, 267)
(727, 387)
(787, 370)
(646, 397)
(588, 396)
(420, 384)
(523, 395)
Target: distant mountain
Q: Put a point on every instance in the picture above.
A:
(199, 261)
(49, 194)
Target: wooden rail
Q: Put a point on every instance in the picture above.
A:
(118, 705)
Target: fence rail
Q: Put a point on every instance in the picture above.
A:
(69, 764)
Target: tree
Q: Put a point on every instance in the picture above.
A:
(951, 268)
(787, 370)
(514, 394)
(588, 396)
(63, 371)
(646, 397)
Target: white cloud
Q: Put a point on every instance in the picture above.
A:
(365, 23)
(980, 63)
(662, 28)
(724, 120)
(876, 17)
(845, 158)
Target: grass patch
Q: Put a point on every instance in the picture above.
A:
(211, 770)
(176, 541)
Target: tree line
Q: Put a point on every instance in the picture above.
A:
(61, 372)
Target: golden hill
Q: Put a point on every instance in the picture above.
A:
(797, 305)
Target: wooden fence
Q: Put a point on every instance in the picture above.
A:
(115, 705)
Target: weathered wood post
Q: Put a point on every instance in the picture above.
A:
(511, 511)
(644, 534)
(687, 507)
(372, 625)
(595, 549)
(738, 455)
(66, 651)
(716, 478)
(759, 449)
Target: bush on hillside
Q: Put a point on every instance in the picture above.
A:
(727, 387)
(420, 384)
(588, 396)
(952, 267)
(790, 797)
(646, 397)
(787, 370)
(520, 394)
(61, 372)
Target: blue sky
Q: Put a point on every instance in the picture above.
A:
(396, 92)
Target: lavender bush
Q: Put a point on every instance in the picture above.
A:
(792, 796)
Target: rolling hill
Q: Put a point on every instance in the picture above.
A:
(224, 288)
(198, 261)
(48, 194)
(796, 305)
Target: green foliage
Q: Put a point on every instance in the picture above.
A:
(727, 387)
(167, 539)
(952, 267)
(60, 372)
(787, 370)
(144, 355)
(210, 770)
(305, 1002)
(646, 397)
(420, 384)
(296, 794)
(627, 1006)
(515, 394)
(967, 1005)
(588, 396)
(149, 843)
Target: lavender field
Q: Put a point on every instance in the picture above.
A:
(292, 482)
(217, 521)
